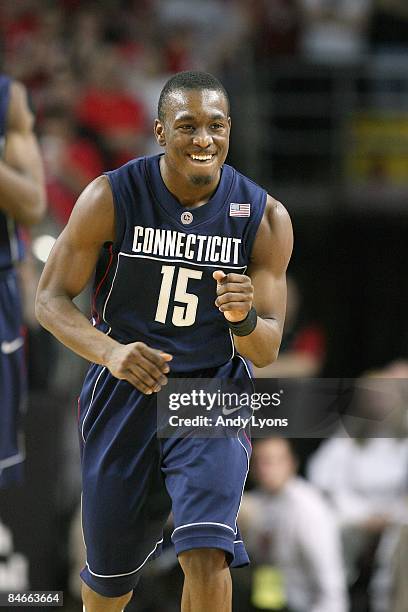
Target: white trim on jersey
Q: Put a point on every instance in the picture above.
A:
(185, 261)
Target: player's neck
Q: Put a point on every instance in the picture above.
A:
(189, 194)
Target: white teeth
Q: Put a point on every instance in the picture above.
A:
(202, 157)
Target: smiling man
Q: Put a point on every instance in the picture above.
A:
(171, 237)
(195, 162)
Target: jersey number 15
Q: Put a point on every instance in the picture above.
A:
(183, 316)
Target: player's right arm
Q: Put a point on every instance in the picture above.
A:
(68, 270)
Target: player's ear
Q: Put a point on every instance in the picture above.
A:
(159, 133)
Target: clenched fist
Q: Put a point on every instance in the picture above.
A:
(235, 295)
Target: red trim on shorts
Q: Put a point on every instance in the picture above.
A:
(246, 435)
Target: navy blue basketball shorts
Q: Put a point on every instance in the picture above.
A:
(132, 480)
(12, 381)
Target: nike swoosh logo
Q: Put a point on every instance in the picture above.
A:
(227, 411)
(11, 347)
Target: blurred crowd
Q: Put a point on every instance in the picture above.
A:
(95, 69)
(327, 532)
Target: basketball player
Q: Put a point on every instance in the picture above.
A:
(22, 202)
(171, 237)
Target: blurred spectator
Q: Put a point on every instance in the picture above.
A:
(85, 38)
(61, 91)
(275, 28)
(291, 536)
(71, 161)
(365, 480)
(177, 49)
(334, 31)
(34, 44)
(211, 32)
(303, 347)
(108, 111)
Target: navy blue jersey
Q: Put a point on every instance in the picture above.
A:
(154, 283)
(11, 246)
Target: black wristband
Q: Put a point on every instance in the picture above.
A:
(245, 327)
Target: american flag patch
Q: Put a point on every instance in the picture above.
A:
(240, 210)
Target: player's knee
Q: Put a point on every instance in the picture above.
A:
(202, 562)
(93, 602)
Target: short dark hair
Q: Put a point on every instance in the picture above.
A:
(189, 80)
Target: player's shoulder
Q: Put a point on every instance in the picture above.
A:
(276, 213)
(96, 198)
(93, 215)
(274, 209)
(130, 179)
(135, 165)
(244, 181)
(276, 221)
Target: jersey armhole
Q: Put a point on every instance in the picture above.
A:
(119, 219)
(252, 228)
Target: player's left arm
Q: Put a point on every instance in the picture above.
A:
(264, 287)
(22, 186)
